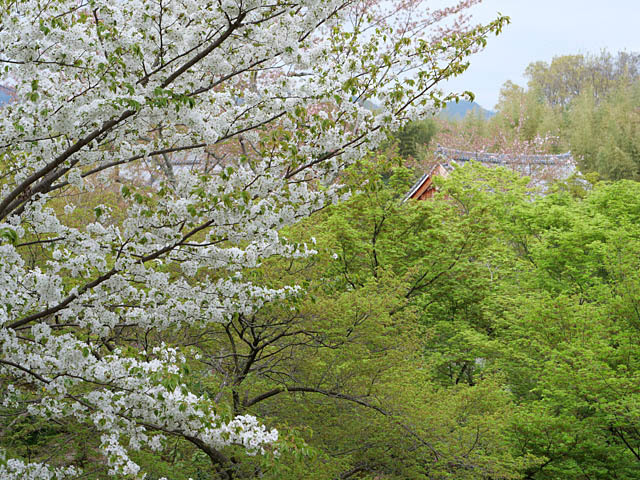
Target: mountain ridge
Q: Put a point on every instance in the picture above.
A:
(459, 110)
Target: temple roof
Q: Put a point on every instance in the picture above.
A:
(505, 159)
(541, 168)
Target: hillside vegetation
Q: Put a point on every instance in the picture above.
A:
(209, 271)
(586, 104)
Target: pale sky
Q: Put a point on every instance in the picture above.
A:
(542, 29)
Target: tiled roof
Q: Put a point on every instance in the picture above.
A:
(504, 158)
(541, 168)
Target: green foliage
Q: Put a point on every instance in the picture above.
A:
(569, 334)
(491, 333)
(527, 302)
(358, 352)
(588, 104)
(605, 135)
(414, 138)
(568, 76)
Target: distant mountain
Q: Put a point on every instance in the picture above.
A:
(457, 111)
(453, 110)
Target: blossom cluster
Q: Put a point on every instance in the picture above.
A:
(13, 469)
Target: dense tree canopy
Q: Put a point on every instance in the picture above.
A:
(569, 76)
(521, 310)
(209, 269)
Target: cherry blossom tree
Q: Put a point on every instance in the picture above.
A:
(507, 138)
(102, 86)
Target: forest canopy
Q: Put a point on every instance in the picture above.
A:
(585, 104)
(210, 270)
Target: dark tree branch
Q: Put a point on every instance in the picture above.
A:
(342, 396)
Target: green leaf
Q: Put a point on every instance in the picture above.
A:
(10, 235)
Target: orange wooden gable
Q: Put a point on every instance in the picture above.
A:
(424, 188)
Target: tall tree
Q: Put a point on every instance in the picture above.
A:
(93, 317)
(567, 76)
(387, 340)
